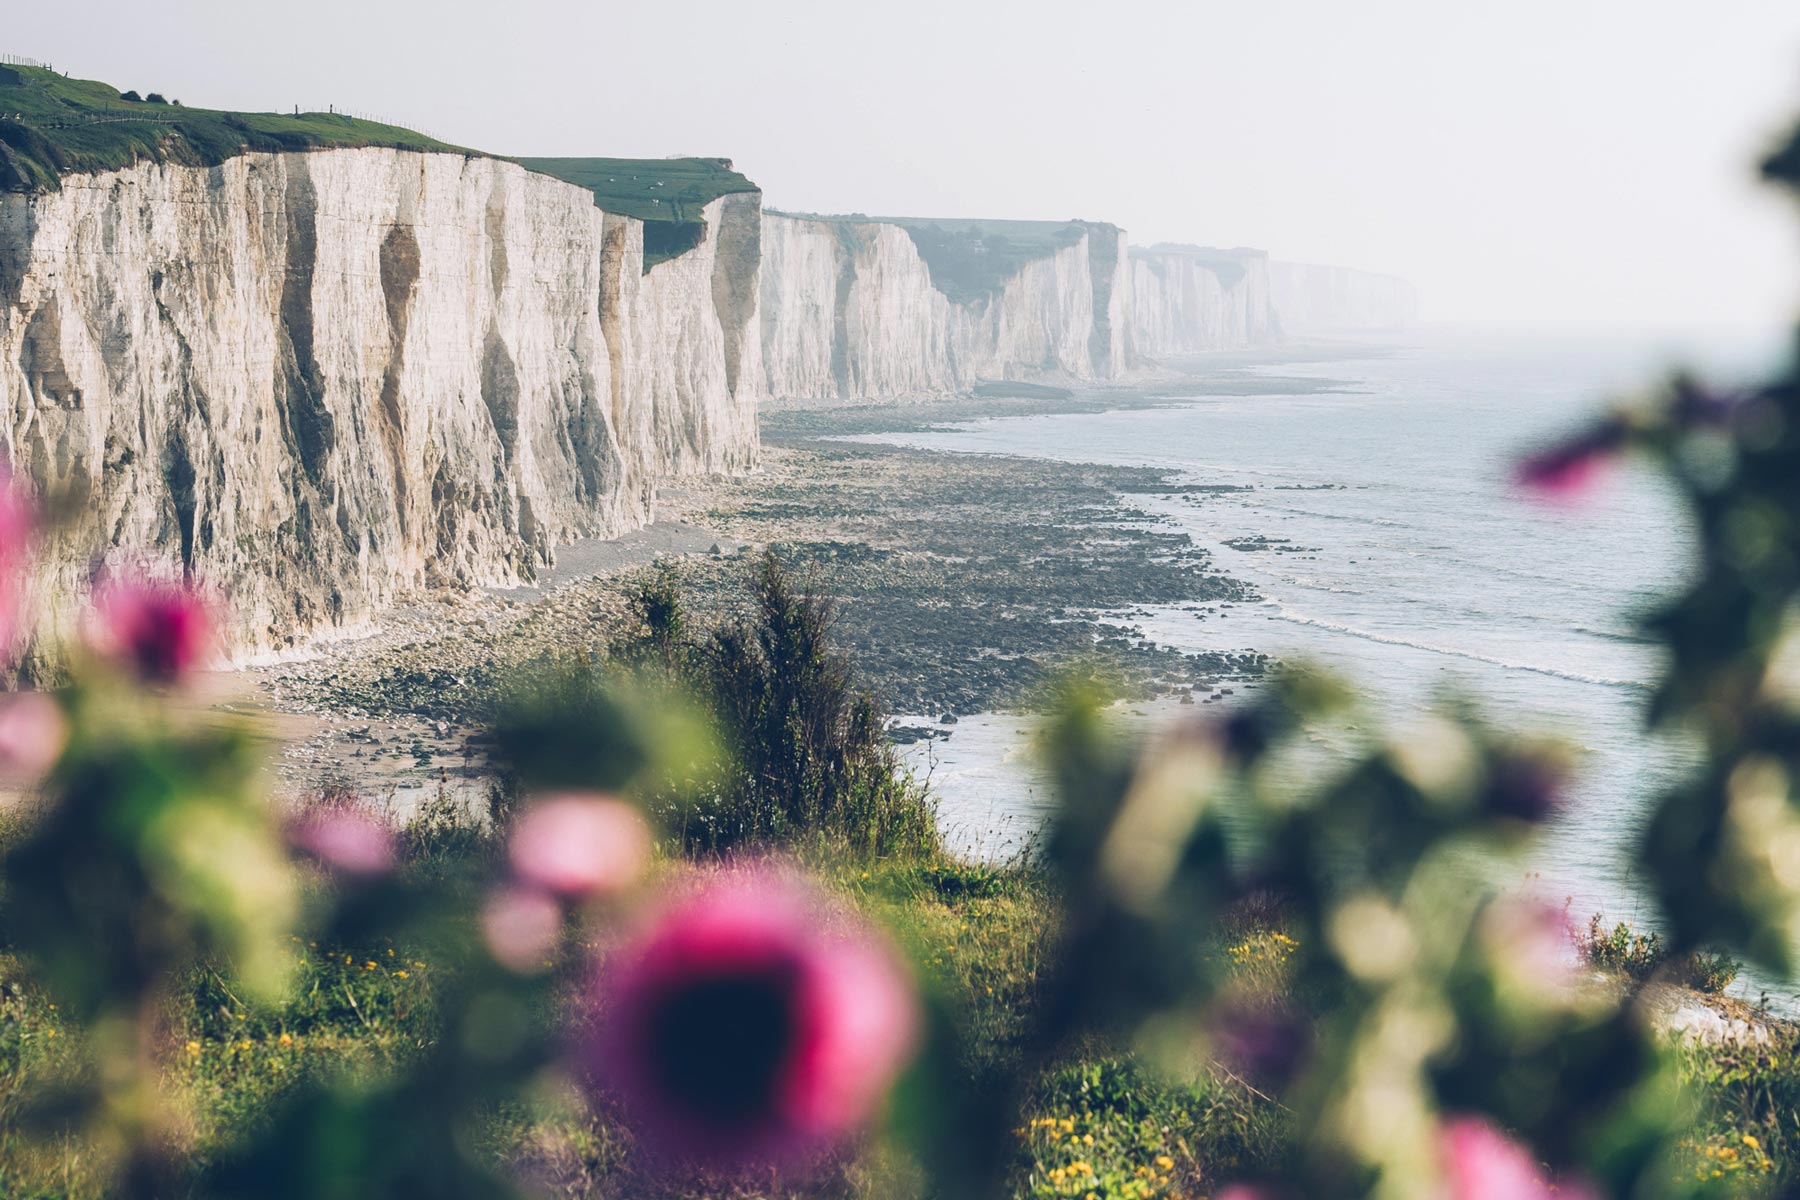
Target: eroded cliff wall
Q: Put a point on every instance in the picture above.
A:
(1318, 299)
(1193, 299)
(320, 380)
(849, 311)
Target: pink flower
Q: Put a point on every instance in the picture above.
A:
(159, 631)
(1566, 471)
(580, 846)
(345, 841)
(751, 1024)
(33, 732)
(1481, 1163)
(18, 524)
(1267, 1046)
(521, 928)
(1533, 943)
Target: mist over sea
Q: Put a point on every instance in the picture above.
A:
(1410, 566)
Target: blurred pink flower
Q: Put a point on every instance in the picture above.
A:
(1696, 406)
(1267, 1046)
(1566, 471)
(1481, 1163)
(521, 927)
(345, 841)
(752, 1024)
(160, 631)
(18, 524)
(33, 732)
(1242, 1191)
(1535, 941)
(577, 846)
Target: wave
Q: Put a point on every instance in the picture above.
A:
(1613, 635)
(1350, 518)
(1282, 614)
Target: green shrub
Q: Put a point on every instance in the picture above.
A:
(1643, 956)
(808, 746)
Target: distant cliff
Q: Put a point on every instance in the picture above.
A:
(1315, 299)
(867, 308)
(319, 362)
(317, 380)
(856, 308)
(1192, 299)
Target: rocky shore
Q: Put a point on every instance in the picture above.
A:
(963, 584)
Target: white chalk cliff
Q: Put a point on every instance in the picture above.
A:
(1316, 299)
(849, 311)
(1192, 299)
(320, 380)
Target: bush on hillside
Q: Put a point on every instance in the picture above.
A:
(1644, 957)
(806, 745)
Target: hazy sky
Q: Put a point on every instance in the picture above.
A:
(1536, 160)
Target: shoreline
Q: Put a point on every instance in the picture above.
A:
(963, 584)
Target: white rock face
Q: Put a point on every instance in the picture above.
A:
(1189, 300)
(320, 380)
(849, 312)
(689, 360)
(1314, 299)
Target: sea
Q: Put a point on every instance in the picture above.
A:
(1411, 566)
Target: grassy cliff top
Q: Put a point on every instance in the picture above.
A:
(1189, 250)
(52, 126)
(1228, 265)
(650, 189)
(666, 194)
(969, 259)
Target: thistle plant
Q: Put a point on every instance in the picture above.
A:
(744, 1026)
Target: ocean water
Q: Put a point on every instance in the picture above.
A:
(1415, 569)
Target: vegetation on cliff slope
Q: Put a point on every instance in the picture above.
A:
(668, 195)
(970, 260)
(52, 126)
(1228, 265)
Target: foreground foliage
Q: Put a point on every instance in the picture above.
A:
(1232, 967)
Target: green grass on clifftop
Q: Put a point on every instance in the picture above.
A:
(52, 126)
(1228, 265)
(667, 194)
(968, 259)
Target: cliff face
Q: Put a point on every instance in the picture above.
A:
(688, 361)
(849, 311)
(1322, 299)
(1191, 299)
(318, 380)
